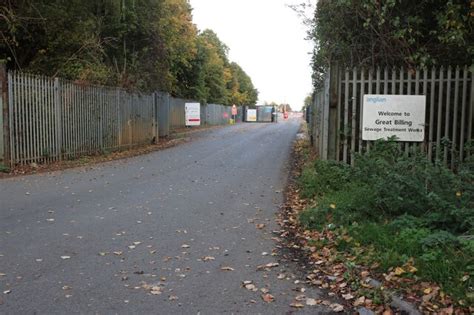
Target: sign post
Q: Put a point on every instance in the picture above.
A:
(400, 116)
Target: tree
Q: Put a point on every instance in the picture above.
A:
(242, 91)
(308, 101)
(137, 44)
(393, 32)
(214, 79)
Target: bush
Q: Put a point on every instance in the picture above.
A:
(324, 177)
(401, 207)
(387, 183)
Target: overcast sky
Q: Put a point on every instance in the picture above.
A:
(267, 39)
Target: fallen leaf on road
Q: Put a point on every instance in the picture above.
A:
(208, 258)
(297, 305)
(172, 298)
(260, 226)
(226, 268)
(268, 266)
(118, 253)
(337, 307)
(312, 302)
(268, 297)
(185, 246)
(65, 257)
(7, 291)
(102, 253)
(2, 274)
(156, 290)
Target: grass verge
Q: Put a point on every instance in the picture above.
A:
(409, 219)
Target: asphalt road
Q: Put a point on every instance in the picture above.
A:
(175, 231)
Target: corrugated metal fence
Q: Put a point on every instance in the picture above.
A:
(335, 114)
(50, 119)
(214, 114)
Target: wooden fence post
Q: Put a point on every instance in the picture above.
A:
(5, 117)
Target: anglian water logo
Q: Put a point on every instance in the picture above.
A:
(376, 99)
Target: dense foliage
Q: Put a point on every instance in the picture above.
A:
(392, 32)
(141, 44)
(404, 208)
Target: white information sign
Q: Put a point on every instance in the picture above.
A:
(251, 115)
(192, 114)
(402, 116)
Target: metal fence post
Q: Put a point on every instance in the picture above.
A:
(156, 129)
(333, 112)
(58, 122)
(163, 107)
(5, 117)
(119, 117)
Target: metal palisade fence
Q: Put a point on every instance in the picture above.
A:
(53, 119)
(335, 116)
(49, 119)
